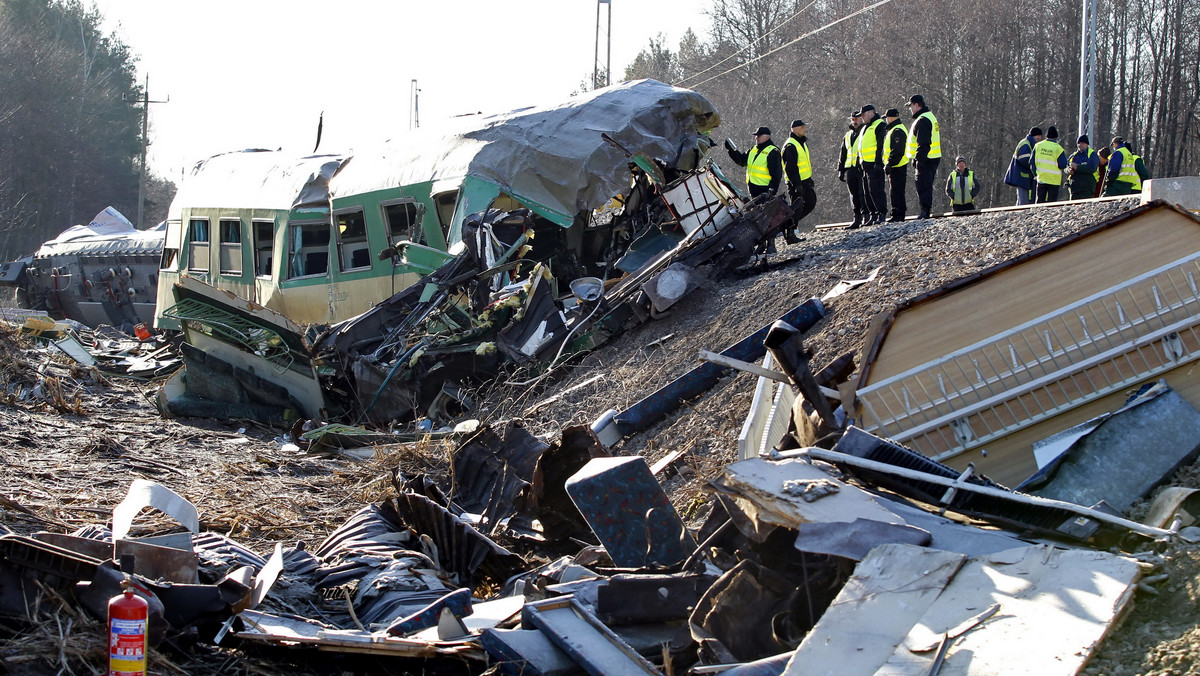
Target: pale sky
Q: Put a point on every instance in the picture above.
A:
(258, 73)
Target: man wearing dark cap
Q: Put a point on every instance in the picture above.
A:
(1083, 169)
(870, 160)
(848, 170)
(924, 150)
(961, 187)
(1049, 163)
(1122, 177)
(1020, 169)
(797, 170)
(895, 163)
(763, 167)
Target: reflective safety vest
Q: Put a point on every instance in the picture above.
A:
(1128, 170)
(803, 164)
(887, 145)
(960, 191)
(850, 152)
(1088, 155)
(1045, 162)
(868, 144)
(935, 137)
(757, 172)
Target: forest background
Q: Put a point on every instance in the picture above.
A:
(70, 118)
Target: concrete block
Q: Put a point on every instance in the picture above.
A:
(1181, 190)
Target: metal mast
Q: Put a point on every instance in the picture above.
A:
(608, 59)
(1087, 69)
(145, 101)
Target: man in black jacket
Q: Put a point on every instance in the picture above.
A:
(870, 158)
(797, 169)
(848, 170)
(895, 163)
(924, 150)
(763, 167)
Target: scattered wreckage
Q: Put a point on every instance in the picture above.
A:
(828, 548)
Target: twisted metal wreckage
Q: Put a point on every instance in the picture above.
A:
(570, 223)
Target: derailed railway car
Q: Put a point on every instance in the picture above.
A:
(321, 239)
(105, 272)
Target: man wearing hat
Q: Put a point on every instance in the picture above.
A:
(1020, 169)
(961, 187)
(848, 170)
(924, 150)
(870, 160)
(1122, 177)
(797, 170)
(1049, 163)
(1084, 170)
(763, 167)
(895, 163)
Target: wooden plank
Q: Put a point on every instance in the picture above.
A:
(1056, 606)
(888, 594)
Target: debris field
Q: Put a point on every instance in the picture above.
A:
(663, 551)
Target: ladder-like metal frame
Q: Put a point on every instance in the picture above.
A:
(1109, 341)
(235, 330)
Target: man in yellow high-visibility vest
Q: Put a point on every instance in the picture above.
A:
(848, 170)
(764, 169)
(924, 151)
(870, 160)
(797, 170)
(1049, 163)
(895, 163)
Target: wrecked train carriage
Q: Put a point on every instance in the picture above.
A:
(105, 272)
(322, 239)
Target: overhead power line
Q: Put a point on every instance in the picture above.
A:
(789, 44)
(757, 40)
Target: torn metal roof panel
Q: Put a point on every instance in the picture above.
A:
(257, 179)
(552, 156)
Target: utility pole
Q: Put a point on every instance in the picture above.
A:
(608, 59)
(1087, 70)
(414, 115)
(145, 101)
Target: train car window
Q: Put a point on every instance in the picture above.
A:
(264, 245)
(231, 247)
(403, 219)
(198, 245)
(353, 251)
(446, 201)
(308, 249)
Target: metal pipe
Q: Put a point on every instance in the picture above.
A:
(1024, 498)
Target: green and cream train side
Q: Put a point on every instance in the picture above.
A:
(323, 238)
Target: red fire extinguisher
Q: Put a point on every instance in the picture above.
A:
(127, 632)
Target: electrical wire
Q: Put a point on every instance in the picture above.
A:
(789, 44)
(747, 47)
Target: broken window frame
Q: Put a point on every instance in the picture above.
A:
(198, 246)
(298, 268)
(444, 204)
(354, 247)
(263, 233)
(230, 255)
(412, 230)
(171, 245)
